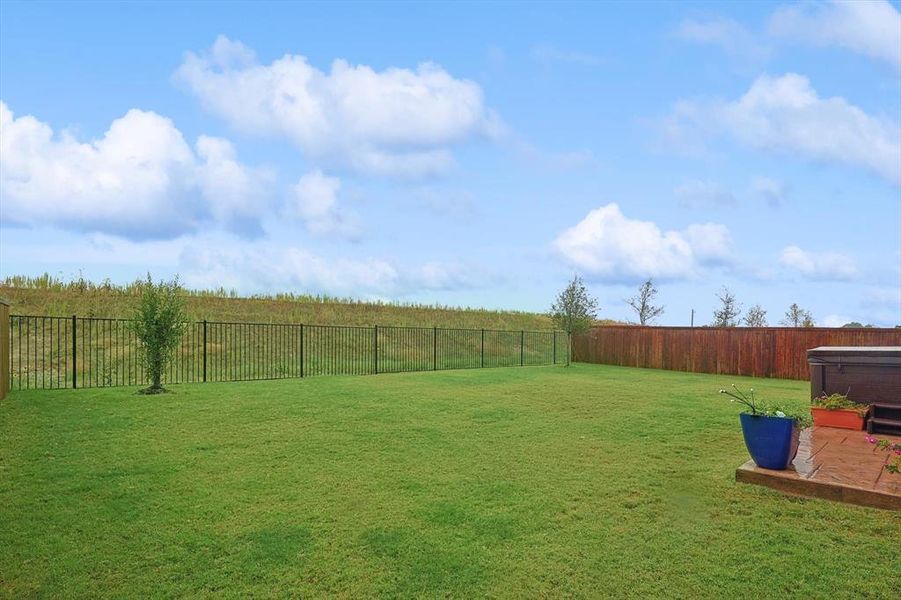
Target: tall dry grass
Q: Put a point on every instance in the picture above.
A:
(54, 296)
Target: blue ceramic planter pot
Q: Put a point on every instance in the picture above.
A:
(771, 441)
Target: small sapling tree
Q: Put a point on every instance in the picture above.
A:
(642, 303)
(575, 310)
(729, 310)
(796, 316)
(756, 316)
(159, 322)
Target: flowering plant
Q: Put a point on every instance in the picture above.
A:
(893, 464)
(755, 407)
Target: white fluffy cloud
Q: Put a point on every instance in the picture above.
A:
(872, 28)
(818, 265)
(268, 266)
(785, 114)
(392, 122)
(314, 201)
(141, 179)
(606, 245)
(703, 194)
(710, 243)
(254, 267)
(834, 321)
(236, 194)
(435, 275)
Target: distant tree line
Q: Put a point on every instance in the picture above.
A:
(575, 310)
(729, 314)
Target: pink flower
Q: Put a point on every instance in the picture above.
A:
(871, 439)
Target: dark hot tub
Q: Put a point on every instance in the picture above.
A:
(868, 374)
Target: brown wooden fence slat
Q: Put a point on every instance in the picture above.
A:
(754, 351)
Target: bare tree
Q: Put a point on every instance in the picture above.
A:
(796, 316)
(575, 309)
(641, 303)
(729, 311)
(756, 316)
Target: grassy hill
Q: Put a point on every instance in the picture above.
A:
(50, 296)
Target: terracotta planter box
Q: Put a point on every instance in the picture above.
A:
(841, 418)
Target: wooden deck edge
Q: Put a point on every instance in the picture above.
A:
(748, 473)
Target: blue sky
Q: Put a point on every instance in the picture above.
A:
(463, 154)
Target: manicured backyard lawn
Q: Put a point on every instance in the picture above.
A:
(581, 481)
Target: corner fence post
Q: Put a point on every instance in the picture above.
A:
(522, 338)
(375, 347)
(434, 348)
(6, 332)
(204, 350)
(301, 350)
(482, 360)
(74, 352)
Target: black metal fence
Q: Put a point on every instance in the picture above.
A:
(71, 352)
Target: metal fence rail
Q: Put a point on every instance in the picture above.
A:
(85, 352)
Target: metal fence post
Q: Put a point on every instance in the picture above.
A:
(522, 338)
(434, 348)
(6, 356)
(204, 350)
(301, 350)
(74, 352)
(555, 346)
(375, 345)
(482, 360)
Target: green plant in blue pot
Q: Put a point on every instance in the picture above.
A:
(772, 433)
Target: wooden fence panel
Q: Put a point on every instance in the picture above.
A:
(755, 351)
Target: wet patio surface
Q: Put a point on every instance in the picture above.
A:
(835, 464)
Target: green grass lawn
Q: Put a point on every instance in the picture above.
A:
(544, 481)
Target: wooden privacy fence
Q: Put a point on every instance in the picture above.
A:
(754, 351)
